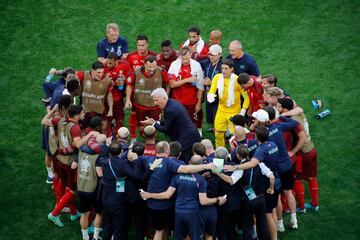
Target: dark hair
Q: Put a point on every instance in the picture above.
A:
(95, 123)
(115, 148)
(243, 78)
(142, 37)
(75, 110)
(67, 71)
(239, 120)
(199, 149)
(97, 65)
(262, 133)
(194, 29)
(150, 59)
(286, 103)
(175, 149)
(271, 112)
(73, 85)
(165, 43)
(138, 148)
(112, 56)
(229, 62)
(65, 102)
(242, 150)
(271, 78)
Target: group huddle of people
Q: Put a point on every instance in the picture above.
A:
(116, 178)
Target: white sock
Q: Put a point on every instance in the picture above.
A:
(254, 232)
(293, 217)
(280, 222)
(96, 233)
(200, 131)
(85, 234)
(50, 172)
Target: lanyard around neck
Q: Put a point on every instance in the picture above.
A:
(112, 170)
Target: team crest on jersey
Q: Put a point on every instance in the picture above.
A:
(85, 163)
(141, 81)
(136, 62)
(64, 140)
(242, 66)
(119, 52)
(88, 84)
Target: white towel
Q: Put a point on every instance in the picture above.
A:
(196, 70)
(220, 87)
(199, 45)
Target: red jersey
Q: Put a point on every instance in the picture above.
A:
(185, 94)
(199, 56)
(255, 93)
(150, 149)
(165, 63)
(136, 60)
(123, 67)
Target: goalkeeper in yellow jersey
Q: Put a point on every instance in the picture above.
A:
(224, 86)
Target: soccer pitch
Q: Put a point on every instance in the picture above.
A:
(312, 46)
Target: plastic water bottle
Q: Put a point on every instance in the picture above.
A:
(323, 114)
(314, 104)
(121, 75)
(50, 76)
(194, 83)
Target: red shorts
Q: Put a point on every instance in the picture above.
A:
(309, 165)
(118, 113)
(67, 175)
(197, 118)
(55, 164)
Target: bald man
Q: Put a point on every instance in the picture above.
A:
(243, 62)
(215, 37)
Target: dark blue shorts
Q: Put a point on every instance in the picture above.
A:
(271, 201)
(188, 224)
(209, 217)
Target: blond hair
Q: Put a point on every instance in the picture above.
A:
(274, 92)
(112, 26)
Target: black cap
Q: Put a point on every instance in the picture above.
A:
(238, 120)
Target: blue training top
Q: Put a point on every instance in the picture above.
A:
(159, 180)
(188, 187)
(119, 47)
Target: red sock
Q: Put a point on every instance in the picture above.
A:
(60, 191)
(132, 124)
(64, 201)
(299, 193)
(314, 191)
(54, 185)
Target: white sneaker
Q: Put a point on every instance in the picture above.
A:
(280, 226)
(293, 225)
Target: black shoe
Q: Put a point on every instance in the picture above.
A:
(210, 130)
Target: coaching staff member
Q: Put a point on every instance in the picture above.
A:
(177, 123)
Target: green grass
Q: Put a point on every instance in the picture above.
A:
(312, 46)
